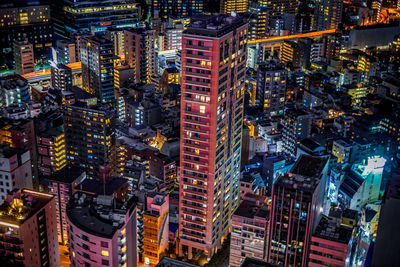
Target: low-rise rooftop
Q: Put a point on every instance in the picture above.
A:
(214, 25)
(22, 204)
(101, 216)
(305, 174)
(329, 228)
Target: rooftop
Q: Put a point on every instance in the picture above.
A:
(249, 208)
(309, 166)
(7, 152)
(305, 174)
(310, 144)
(168, 262)
(80, 94)
(329, 228)
(214, 25)
(101, 216)
(96, 187)
(22, 204)
(249, 262)
(11, 82)
(66, 175)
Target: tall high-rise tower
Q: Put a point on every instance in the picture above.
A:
(213, 74)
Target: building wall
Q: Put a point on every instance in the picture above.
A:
(248, 239)
(325, 252)
(208, 194)
(15, 172)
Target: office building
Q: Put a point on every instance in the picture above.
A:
(238, 6)
(52, 155)
(28, 229)
(61, 76)
(116, 36)
(249, 231)
(169, 76)
(26, 19)
(14, 89)
(80, 15)
(395, 4)
(21, 134)
(361, 184)
(90, 138)
(65, 52)
(332, 45)
(145, 113)
(275, 166)
(165, 9)
(271, 88)
(23, 57)
(279, 7)
(97, 57)
(140, 53)
(165, 169)
(62, 184)
(296, 126)
(331, 243)
(102, 231)
(258, 22)
(15, 169)
(327, 14)
(296, 208)
(155, 227)
(395, 47)
(173, 37)
(291, 53)
(213, 75)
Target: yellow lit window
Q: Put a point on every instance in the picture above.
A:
(105, 253)
(123, 231)
(202, 109)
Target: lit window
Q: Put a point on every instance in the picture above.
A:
(202, 109)
(105, 253)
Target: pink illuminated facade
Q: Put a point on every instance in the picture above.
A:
(296, 207)
(213, 72)
(28, 230)
(61, 184)
(330, 244)
(102, 231)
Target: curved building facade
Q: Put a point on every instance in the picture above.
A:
(102, 231)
